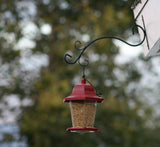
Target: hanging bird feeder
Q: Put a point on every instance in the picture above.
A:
(83, 102)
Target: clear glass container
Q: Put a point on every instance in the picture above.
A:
(83, 113)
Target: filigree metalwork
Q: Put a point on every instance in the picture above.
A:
(69, 59)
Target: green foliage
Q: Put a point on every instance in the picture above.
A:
(119, 118)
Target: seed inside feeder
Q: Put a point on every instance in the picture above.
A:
(83, 113)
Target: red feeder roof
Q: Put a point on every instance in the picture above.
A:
(83, 92)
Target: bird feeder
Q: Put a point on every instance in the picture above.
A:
(83, 99)
(83, 102)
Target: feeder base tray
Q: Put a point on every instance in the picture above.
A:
(82, 130)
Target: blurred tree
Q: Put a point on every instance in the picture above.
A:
(122, 118)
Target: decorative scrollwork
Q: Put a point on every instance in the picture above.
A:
(69, 59)
(75, 45)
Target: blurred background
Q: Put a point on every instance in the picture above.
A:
(34, 79)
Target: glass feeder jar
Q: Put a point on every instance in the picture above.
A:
(83, 102)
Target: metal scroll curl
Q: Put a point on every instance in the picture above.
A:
(69, 58)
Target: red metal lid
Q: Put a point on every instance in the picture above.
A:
(83, 92)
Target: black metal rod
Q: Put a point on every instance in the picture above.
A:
(140, 11)
(68, 58)
(146, 32)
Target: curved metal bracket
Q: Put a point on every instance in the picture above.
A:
(69, 59)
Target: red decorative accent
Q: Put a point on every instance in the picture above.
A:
(83, 81)
(83, 92)
(82, 129)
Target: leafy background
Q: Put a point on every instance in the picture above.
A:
(34, 37)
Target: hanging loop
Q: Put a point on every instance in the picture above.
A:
(84, 65)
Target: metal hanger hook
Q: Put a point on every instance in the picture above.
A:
(69, 59)
(84, 65)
